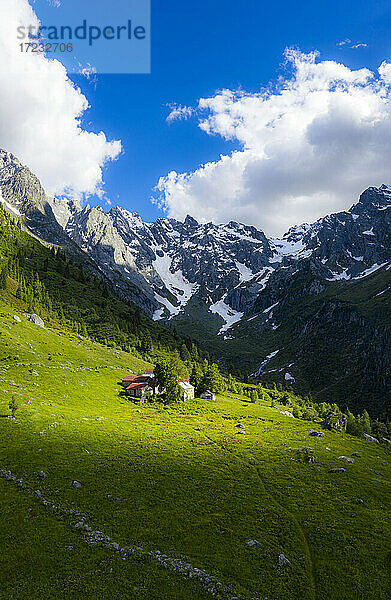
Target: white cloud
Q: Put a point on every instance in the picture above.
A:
(344, 42)
(348, 42)
(41, 112)
(179, 112)
(307, 147)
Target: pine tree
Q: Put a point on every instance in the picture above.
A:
(3, 277)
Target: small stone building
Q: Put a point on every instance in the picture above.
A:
(208, 395)
(140, 390)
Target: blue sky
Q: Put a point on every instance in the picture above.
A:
(199, 48)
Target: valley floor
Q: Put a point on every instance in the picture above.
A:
(180, 482)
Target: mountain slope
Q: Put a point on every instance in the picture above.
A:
(319, 295)
(179, 486)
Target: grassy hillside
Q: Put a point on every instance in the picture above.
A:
(180, 481)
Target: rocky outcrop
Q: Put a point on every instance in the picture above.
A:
(36, 319)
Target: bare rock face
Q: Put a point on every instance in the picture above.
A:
(175, 262)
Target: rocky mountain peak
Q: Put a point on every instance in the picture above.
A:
(172, 268)
(372, 199)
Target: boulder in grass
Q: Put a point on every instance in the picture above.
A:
(370, 438)
(305, 455)
(17, 319)
(318, 434)
(283, 561)
(347, 458)
(36, 319)
(254, 544)
(338, 470)
(41, 475)
(76, 484)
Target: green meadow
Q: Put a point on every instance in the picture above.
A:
(179, 480)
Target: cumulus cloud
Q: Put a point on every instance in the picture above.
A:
(41, 112)
(307, 146)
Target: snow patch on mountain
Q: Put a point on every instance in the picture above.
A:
(174, 281)
(338, 276)
(245, 273)
(269, 308)
(372, 269)
(227, 313)
(263, 364)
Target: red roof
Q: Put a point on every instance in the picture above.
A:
(137, 386)
(184, 380)
(129, 378)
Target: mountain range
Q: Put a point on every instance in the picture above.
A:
(310, 309)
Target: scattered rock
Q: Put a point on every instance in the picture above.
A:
(287, 413)
(76, 484)
(36, 319)
(360, 501)
(17, 319)
(338, 470)
(41, 475)
(40, 434)
(34, 373)
(240, 426)
(254, 544)
(370, 438)
(53, 424)
(305, 454)
(283, 561)
(241, 431)
(318, 434)
(357, 454)
(347, 458)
